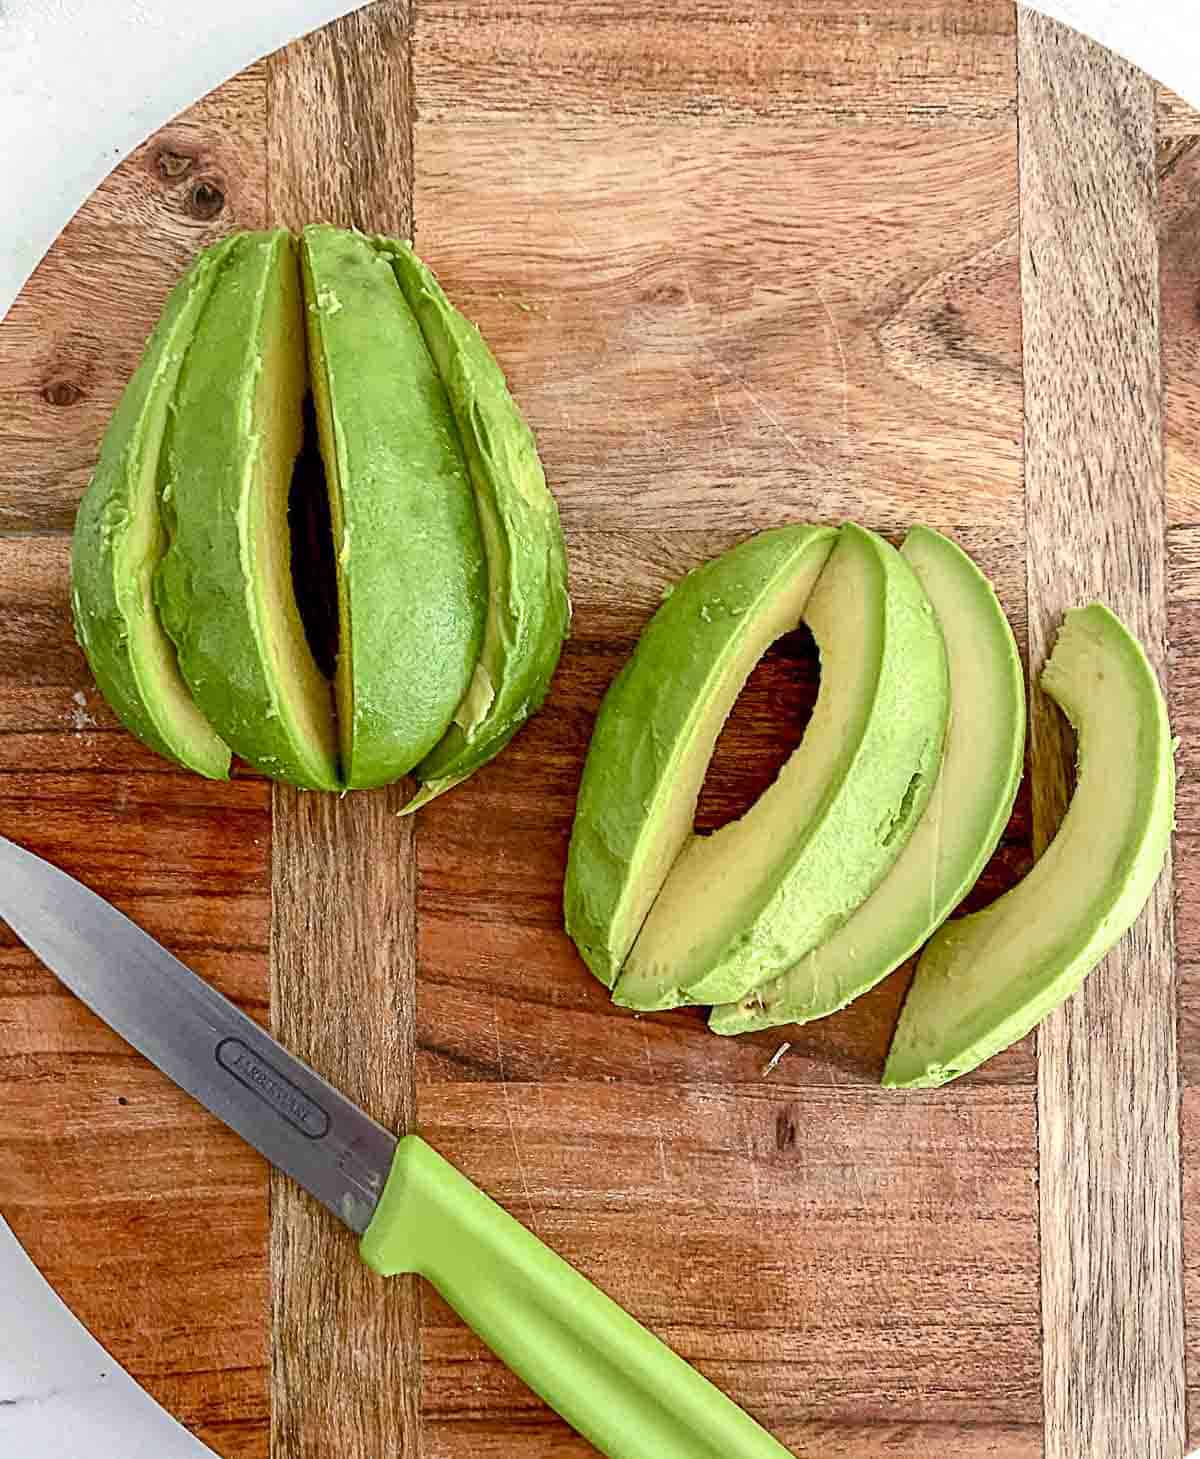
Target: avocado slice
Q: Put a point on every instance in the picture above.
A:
(657, 726)
(528, 610)
(224, 586)
(411, 581)
(985, 980)
(966, 815)
(119, 540)
(741, 906)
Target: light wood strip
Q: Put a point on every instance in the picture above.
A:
(1108, 1081)
(826, 63)
(345, 1348)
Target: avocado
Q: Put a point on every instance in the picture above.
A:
(741, 906)
(224, 585)
(657, 726)
(986, 979)
(528, 611)
(963, 821)
(119, 540)
(411, 580)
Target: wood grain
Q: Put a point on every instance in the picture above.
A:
(76, 332)
(718, 321)
(148, 1217)
(1174, 116)
(751, 1227)
(345, 1348)
(1108, 1095)
(742, 266)
(1179, 249)
(1179, 253)
(828, 61)
(751, 335)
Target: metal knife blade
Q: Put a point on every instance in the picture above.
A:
(198, 1038)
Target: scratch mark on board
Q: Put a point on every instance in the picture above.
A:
(516, 1144)
(658, 1129)
(837, 338)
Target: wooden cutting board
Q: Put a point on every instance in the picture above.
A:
(744, 266)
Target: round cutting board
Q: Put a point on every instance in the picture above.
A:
(887, 261)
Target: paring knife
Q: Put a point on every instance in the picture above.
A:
(610, 1378)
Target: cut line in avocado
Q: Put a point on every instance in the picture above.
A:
(743, 905)
(659, 722)
(224, 586)
(528, 611)
(963, 821)
(119, 541)
(410, 566)
(986, 979)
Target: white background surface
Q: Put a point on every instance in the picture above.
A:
(83, 82)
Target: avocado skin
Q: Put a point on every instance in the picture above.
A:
(106, 600)
(411, 576)
(878, 790)
(529, 610)
(208, 581)
(939, 1038)
(917, 900)
(645, 714)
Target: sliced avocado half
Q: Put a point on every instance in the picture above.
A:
(658, 724)
(985, 980)
(119, 541)
(741, 906)
(528, 611)
(963, 821)
(411, 581)
(224, 586)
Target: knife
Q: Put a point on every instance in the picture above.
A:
(602, 1371)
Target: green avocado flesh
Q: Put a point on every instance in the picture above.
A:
(224, 586)
(658, 725)
(985, 980)
(119, 541)
(528, 611)
(741, 906)
(966, 815)
(411, 580)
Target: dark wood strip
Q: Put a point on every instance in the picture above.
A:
(1095, 519)
(345, 1348)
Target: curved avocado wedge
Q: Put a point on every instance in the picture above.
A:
(224, 586)
(741, 906)
(966, 815)
(985, 980)
(528, 610)
(119, 540)
(411, 580)
(659, 722)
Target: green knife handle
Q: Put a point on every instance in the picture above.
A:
(613, 1381)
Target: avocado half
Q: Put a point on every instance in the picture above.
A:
(741, 906)
(411, 580)
(966, 815)
(658, 724)
(528, 610)
(985, 980)
(224, 586)
(119, 541)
